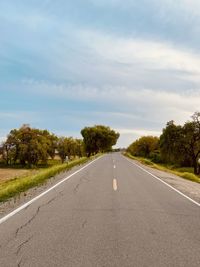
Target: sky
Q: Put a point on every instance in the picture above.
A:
(128, 64)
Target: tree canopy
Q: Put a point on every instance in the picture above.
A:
(146, 146)
(99, 138)
(178, 144)
(29, 146)
(181, 144)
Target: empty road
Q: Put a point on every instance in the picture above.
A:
(112, 213)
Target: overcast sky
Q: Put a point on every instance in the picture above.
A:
(132, 65)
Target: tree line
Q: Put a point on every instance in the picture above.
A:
(178, 144)
(29, 146)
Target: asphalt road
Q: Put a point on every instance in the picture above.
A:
(111, 213)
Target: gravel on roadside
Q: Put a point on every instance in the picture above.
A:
(189, 188)
(15, 202)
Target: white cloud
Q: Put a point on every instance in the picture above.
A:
(180, 5)
(139, 132)
(152, 55)
(127, 136)
(187, 100)
(186, 6)
(126, 104)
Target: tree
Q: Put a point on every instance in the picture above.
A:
(98, 138)
(191, 133)
(69, 147)
(171, 142)
(62, 148)
(28, 146)
(145, 146)
(181, 144)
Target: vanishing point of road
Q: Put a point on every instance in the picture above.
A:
(111, 213)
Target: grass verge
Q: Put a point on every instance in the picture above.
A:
(186, 175)
(18, 185)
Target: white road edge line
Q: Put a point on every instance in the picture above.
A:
(5, 218)
(154, 176)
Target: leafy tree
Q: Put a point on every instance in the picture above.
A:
(171, 142)
(191, 140)
(69, 147)
(181, 144)
(98, 138)
(79, 147)
(28, 146)
(146, 146)
(62, 148)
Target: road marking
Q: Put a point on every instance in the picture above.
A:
(154, 176)
(114, 167)
(114, 184)
(5, 218)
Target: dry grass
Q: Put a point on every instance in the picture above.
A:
(15, 186)
(8, 174)
(183, 174)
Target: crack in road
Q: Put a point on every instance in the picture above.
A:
(84, 224)
(82, 180)
(21, 245)
(35, 215)
(76, 188)
(19, 263)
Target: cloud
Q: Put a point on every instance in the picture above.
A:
(149, 54)
(124, 101)
(139, 132)
(129, 64)
(180, 5)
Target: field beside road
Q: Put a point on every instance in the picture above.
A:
(7, 174)
(14, 181)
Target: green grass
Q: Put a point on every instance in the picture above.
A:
(185, 173)
(18, 185)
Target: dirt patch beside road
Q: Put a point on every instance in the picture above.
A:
(8, 174)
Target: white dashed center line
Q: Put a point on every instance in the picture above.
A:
(114, 184)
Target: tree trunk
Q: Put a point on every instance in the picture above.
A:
(195, 165)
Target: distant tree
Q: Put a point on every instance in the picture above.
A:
(191, 140)
(145, 146)
(79, 147)
(181, 144)
(171, 144)
(62, 148)
(52, 143)
(98, 138)
(69, 147)
(28, 146)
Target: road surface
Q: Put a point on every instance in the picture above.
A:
(111, 213)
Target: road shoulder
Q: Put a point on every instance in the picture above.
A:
(15, 202)
(189, 188)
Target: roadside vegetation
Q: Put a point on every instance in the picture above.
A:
(186, 173)
(30, 156)
(177, 150)
(18, 185)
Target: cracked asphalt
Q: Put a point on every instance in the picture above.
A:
(85, 222)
